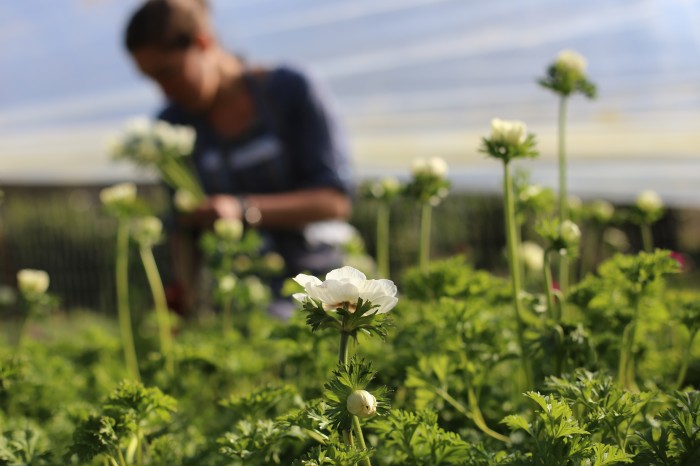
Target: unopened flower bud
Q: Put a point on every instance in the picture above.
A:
(122, 194)
(32, 282)
(569, 232)
(227, 283)
(437, 167)
(532, 255)
(530, 192)
(185, 201)
(228, 229)
(147, 231)
(570, 60)
(602, 211)
(361, 403)
(508, 132)
(649, 201)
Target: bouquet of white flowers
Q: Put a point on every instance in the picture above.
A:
(161, 146)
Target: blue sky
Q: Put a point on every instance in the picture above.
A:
(410, 77)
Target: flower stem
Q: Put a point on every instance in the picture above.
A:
(548, 286)
(424, 253)
(647, 238)
(383, 211)
(343, 350)
(161, 305)
(226, 316)
(473, 413)
(685, 361)
(513, 264)
(360, 438)
(563, 195)
(122, 286)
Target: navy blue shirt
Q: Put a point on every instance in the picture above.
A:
(294, 143)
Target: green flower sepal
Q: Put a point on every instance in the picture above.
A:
(507, 151)
(567, 75)
(363, 318)
(347, 380)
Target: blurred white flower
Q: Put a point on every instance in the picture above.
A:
(570, 60)
(602, 210)
(344, 287)
(185, 201)
(649, 201)
(32, 282)
(229, 229)
(147, 231)
(569, 232)
(617, 239)
(530, 192)
(361, 403)
(532, 255)
(434, 166)
(122, 194)
(227, 284)
(508, 132)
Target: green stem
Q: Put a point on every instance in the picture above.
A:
(343, 350)
(647, 238)
(383, 211)
(513, 264)
(122, 460)
(360, 438)
(563, 195)
(474, 413)
(556, 317)
(424, 255)
(161, 305)
(122, 286)
(685, 362)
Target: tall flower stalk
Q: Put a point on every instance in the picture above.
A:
(428, 186)
(565, 77)
(32, 285)
(509, 140)
(384, 192)
(349, 303)
(120, 201)
(147, 232)
(648, 208)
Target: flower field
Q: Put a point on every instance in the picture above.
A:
(560, 360)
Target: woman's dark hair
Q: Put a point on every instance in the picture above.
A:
(166, 24)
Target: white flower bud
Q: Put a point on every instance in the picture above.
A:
(530, 192)
(649, 201)
(532, 255)
(508, 132)
(118, 195)
(437, 167)
(571, 60)
(32, 282)
(228, 229)
(361, 403)
(602, 210)
(419, 166)
(147, 230)
(569, 232)
(185, 201)
(227, 283)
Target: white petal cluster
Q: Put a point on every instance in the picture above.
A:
(185, 201)
(569, 232)
(530, 192)
(32, 282)
(344, 287)
(148, 142)
(649, 201)
(532, 255)
(227, 283)
(118, 195)
(387, 187)
(433, 166)
(147, 230)
(570, 60)
(361, 403)
(508, 132)
(229, 229)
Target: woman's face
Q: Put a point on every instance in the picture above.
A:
(187, 77)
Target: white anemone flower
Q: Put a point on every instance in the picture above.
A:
(344, 287)
(32, 282)
(532, 255)
(508, 132)
(649, 201)
(571, 60)
(118, 194)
